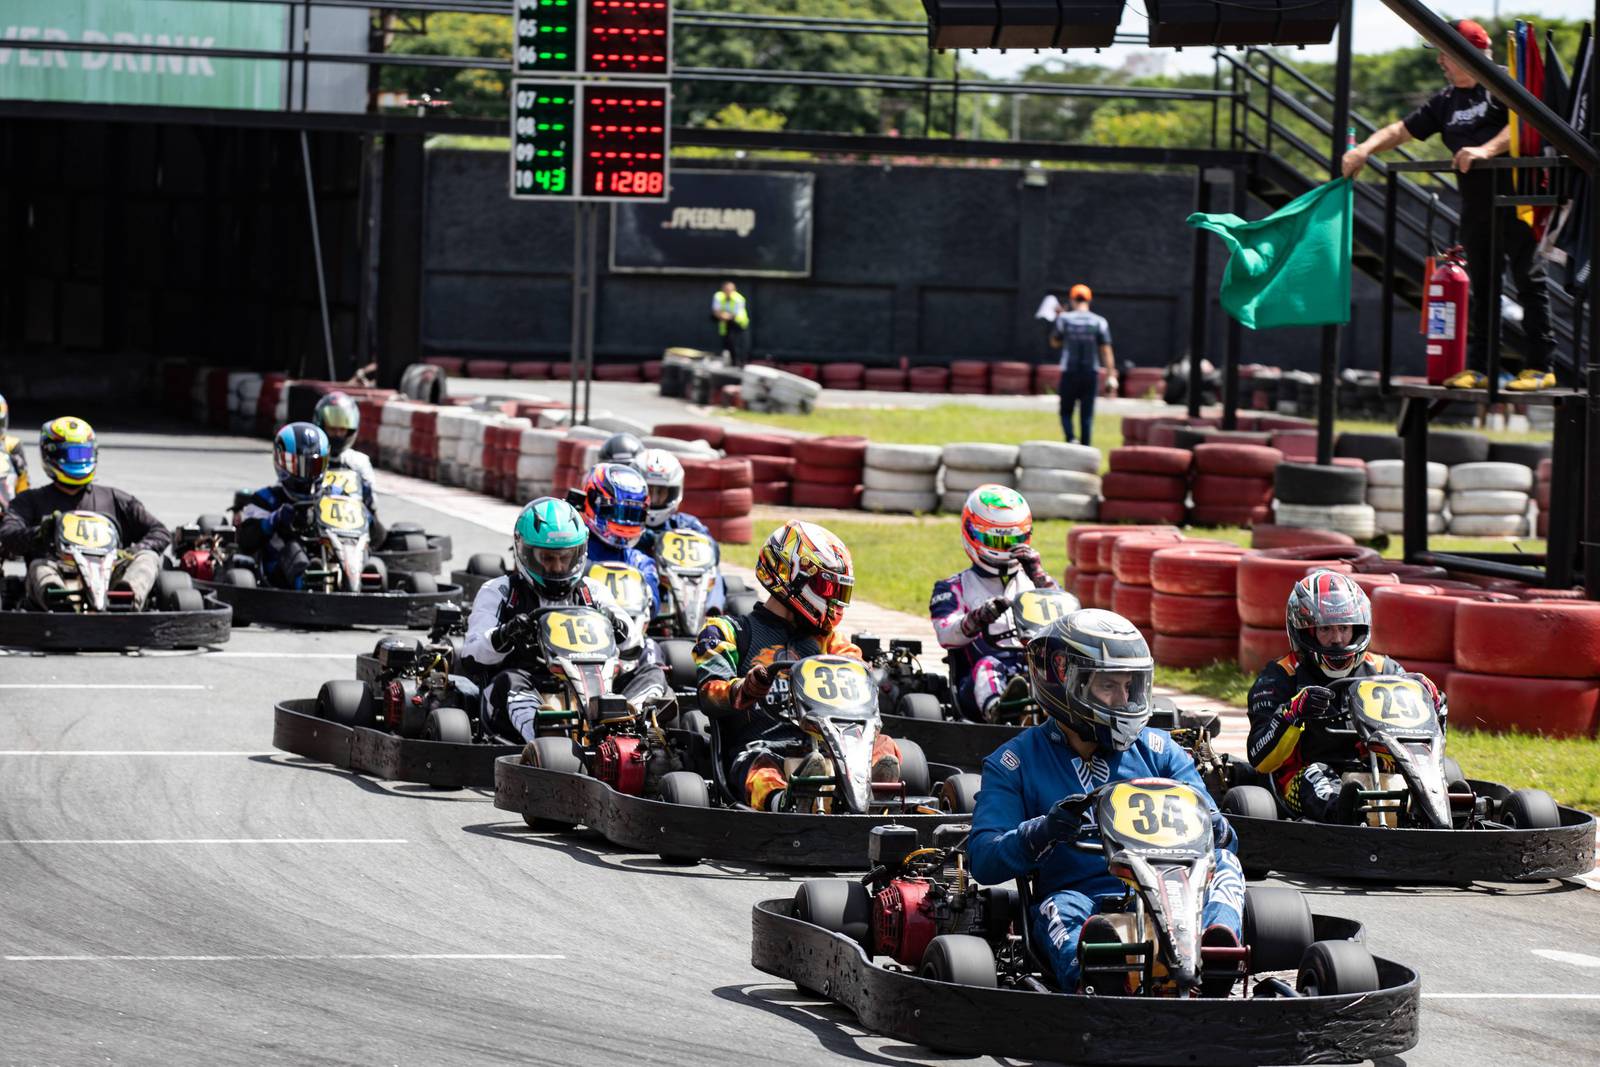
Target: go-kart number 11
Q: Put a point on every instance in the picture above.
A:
(1392, 703)
(340, 513)
(842, 685)
(1163, 818)
(625, 584)
(686, 550)
(86, 531)
(1042, 609)
(575, 633)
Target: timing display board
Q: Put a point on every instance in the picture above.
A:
(589, 141)
(618, 38)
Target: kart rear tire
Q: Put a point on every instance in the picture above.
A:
(449, 725)
(695, 721)
(406, 528)
(1251, 801)
(960, 959)
(733, 583)
(553, 754)
(1530, 809)
(411, 542)
(688, 789)
(168, 583)
(1452, 770)
(958, 794)
(419, 582)
(742, 603)
(1277, 927)
(843, 907)
(374, 565)
(186, 600)
(487, 564)
(678, 652)
(1336, 969)
(923, 706)
(346, 702)
(211, 523)
(914, 773)
(238, 576)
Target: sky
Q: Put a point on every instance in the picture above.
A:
(1377, 29)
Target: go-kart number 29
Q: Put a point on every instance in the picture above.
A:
(1041, 609)
(340, 513)
(842, 685)
(1160, 818)
(86, 531)
(575, 633)
(686, 550)
(1392, 703)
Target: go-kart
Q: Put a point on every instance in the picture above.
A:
(963, 973)
(1418, 818)
(406, 548)
(831, 699)
(406, 718)
(87, 613)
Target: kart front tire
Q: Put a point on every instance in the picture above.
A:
(1277, 927)
(345, 702)
(169, 583)
(678, 652)
(449, 725)
(421, 582)
(239, 577)
(834, 904)
(741, 603)
(958, 794)
(553, 754)
(924, 706)
(732, 583)
(486, 564)
(960, 959)
(914, 773)
(1452, 770)
(1336, 969)
(1530, 809)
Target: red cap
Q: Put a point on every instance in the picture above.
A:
(1080, 292)
(1473, 33)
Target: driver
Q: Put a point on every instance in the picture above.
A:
(273, 518)
(1329, 620)
(550, 544)
(663, 477)
(13, 460)
(337, 415)
(614, 503)
(806, 571)
(1091, 672)
(68, 451)
(967, 609)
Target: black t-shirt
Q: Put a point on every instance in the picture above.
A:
(1463, 118)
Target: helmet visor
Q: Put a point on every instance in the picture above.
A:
(1000, 539)
(623, 513)
(73, 455)
(339, 436)
(1112, 693)
(556, 563)
(834, 588)
(665, 496)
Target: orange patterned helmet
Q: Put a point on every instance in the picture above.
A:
(807, 569)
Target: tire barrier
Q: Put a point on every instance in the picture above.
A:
(900, 478)
(1554, 707)
(1266, 576)
(1491, 499)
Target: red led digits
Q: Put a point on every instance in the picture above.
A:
(625, 141)
(628, 37)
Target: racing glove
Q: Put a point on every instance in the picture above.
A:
(47, 528)
(1028, 557)
(748, 691)
(511, 633)
(1222, 832)
(1440, 704)
(1061, 823)
(1311, 704)
(979, 618)
(621, 629)
(282, 520)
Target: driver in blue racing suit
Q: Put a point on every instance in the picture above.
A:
(614, 503)
(1091, 672)
(273, 518)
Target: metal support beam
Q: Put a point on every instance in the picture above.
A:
(1414, 477)
(1230, 362)
(400, 257)
(1199, 293)
(1328, 385)
(316, 254)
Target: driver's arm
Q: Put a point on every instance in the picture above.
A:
(996, 847)
(139, 526)
(948, 613)
(17, 525)
(1274, 727)
(716, 665)
(479, 645)
(1173, 762)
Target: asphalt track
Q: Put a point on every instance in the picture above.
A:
(173, 890)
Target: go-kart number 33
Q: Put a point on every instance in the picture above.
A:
(842, 685)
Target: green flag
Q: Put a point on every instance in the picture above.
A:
(1291, 268)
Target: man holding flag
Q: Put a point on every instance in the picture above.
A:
(1475, 126)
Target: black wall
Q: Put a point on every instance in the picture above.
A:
(931, 263)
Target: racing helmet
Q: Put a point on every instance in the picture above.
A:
(551, 546)
(1091, 671)
(663, 476)
(614, 502)
(300, 454)
(68, 450)
(620, 448)
(338, 416)
(1328, 598)
(994, 521)
(807, 569)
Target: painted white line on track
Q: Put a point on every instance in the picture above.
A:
(171, 654)
(86, 685)
(205, 841)
(108, 752)
(1576, 958)
(1510, 996)
(291, 958)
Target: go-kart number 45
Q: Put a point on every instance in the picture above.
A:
(842, 685)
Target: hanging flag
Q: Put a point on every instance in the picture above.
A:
(1291, 268)
(1570, 245)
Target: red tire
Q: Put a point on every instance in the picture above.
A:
(1415, 622)
(1125, 485)
(772, 468)
(709, 432)
(697, 473)
(1172, 650)
(651, 370)
(1136, 429)
(1541, 493)
(1130, 558)
(1194, 616)
(532, 369)
(1150, 460)
(732, 473)
(719, 503)
(835, 372)
(487, 368)
(1163, 511)
(929, 379)
(1555, 707)
(1545, 471)
(1228, 515)
(1266, 535)
(618, 372)
(812, 495)
(1087, 549)
(448, 364)
(1132, 602)
(737, 531)
(1371, 583)
(891, 379)
(1083, 587)
(1224, 489)
(1261, 645)
(1297, 446)
(739, 443)
(831, 475)
(1196, 571)
(1437, 672)
(1079, 530)
(1266, 581)
(1529, 638)
(1415, 573)
(1103, 585)
(842, 452)
(1237, 461)
(808, 371)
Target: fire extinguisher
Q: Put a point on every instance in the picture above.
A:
(1446, 309)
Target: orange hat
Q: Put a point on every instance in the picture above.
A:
(1471, 31)
(1080, 292)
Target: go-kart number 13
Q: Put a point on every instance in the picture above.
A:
(1392, 703)
(686, 550)
(339, 512)
(575, 633)
(842, 685)
(86, 531)
(1041, 609)
(1162, 818)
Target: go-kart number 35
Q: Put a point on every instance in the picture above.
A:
(575, 633)
(1041, 608)
(686, 550)
(341, 513)
(1392, 703)
(1159, 818)
(841, 684)
(86, 531)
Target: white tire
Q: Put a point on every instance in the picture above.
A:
(900, 481)
(590, 432)
(1488, 502)
(952, 501)
(619, 424)
(1041, 480)
(1388, 498)
(1489, 525)
(1076, 506)
(536, 468)
(902, 502)
(539, 442)
(979, 456)
(919, 458)
(1059, 455)
(1393, 522)
(963, 481)
(679, 447)
(1390, 474)
(1471, 476)
(1356, 520)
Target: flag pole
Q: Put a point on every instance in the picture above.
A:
(1328, 386)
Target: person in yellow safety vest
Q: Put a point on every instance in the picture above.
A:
(732, 315)
(13, 461)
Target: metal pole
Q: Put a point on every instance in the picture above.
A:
(1230, 369)
(1591, 468)
(1386, 357)
(575, 355)
(1016, 118)
(1199, 286)
(316, 248)
(591, 283)
(1328, 386)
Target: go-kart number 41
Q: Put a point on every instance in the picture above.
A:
(87, 530)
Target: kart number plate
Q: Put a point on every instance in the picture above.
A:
(1393, 704)
(1041, 607)
(689, 550)
(343, 481)
(340, 512)
(839, 684)
(624, 583)
(580, 632)
(87, 530)
(1160, 816)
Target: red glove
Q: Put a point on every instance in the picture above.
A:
(749, 690)
(978, 619)
(1310, 703)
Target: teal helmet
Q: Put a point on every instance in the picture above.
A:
(551, 544)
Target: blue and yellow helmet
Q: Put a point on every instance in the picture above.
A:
(68, 449)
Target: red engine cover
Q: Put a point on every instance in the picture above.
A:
(199, 564)
(393, 696)
(901, 922)
(620, 764)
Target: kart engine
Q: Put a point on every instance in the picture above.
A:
(620, 763)
(200, 564)
(930, 894)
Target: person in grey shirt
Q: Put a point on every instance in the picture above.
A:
(1084, 339)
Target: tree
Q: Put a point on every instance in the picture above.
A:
(472, 93)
